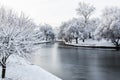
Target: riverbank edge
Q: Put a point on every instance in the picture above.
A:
(42, 42)
(88, 46)
(21, 68)
(79, 45)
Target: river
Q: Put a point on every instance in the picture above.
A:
(71, 63)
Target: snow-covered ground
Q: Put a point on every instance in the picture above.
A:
(20, 69)
(43, 41)
(90, 42)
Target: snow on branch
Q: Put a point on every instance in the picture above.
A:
(16, 34)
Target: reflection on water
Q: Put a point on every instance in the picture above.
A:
(79, 63)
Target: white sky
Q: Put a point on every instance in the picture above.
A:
(54, 12)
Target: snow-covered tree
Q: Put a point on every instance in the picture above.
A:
(92, 26)
(72, 29)
(75, 28)
(56, 32)
(62, 30)
(110, 26)
(85, 10)
(16, 36)
(47, 31)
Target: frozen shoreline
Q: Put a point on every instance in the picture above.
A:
(20, 69)
(92, 44)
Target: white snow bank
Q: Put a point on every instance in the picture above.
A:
(43, 41)
(90, 42)
(20, 69)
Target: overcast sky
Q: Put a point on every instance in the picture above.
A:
(54, 12)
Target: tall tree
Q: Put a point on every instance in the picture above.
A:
(16, 36)
(92, 26)
(85, 10)
(72, 29)
(75, 28)
(110, 26)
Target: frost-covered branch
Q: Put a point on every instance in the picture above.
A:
(17, 36)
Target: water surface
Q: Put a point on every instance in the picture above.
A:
(70, 63)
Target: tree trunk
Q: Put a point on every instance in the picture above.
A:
(90, 35)
(70, 40)
(46, 38)
(116, 43)
(76, 40)
(117, 47)
(83, 40)
(3, 71)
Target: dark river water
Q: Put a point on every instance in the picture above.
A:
(70, 63)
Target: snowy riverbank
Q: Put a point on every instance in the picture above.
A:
(20, 69)
(92, 43)
(42, 42)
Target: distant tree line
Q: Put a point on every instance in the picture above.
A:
(86, 27)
